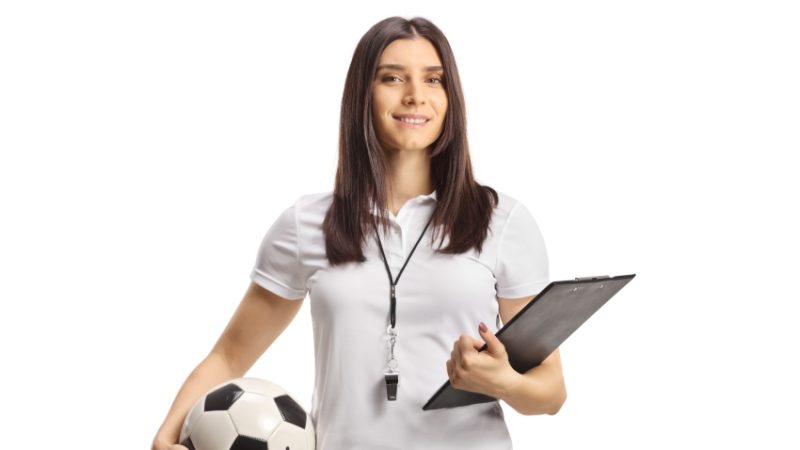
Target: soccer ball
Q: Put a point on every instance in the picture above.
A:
(247, 414)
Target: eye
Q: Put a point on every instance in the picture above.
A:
(436, 80)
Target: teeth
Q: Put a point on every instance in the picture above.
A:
(413, 120)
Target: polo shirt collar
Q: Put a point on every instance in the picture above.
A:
(431, 196)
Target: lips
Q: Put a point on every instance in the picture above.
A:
(411, 116)
(419, 121)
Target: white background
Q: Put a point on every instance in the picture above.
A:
(147, 146)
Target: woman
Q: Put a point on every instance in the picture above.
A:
(393, 313)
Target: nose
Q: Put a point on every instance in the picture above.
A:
(414, 93)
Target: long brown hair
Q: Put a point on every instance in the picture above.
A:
(463, 207)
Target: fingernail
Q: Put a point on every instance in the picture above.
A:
(482, 327)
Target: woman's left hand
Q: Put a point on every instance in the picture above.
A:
(487, 372)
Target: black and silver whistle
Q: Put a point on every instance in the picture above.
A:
(391, 386)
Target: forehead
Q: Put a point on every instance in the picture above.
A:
(410, 53)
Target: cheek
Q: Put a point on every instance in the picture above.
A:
(377, 115)
(441, 112)
(441, 107)
(376, 105)
(379, 112)
(381, 99)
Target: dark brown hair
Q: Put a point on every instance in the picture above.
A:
(463, 207)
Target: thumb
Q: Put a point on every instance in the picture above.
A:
(493, 345)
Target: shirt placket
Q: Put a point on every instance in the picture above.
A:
(397, 244)
(401, 228)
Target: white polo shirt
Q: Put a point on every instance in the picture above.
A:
(439, 297)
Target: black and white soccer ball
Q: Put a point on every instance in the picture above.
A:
(247, 414)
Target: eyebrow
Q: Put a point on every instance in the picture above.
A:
(402, 67)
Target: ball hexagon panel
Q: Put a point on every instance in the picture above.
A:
(214, 430)
(255, 415)
(288, 436)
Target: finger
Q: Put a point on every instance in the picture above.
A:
(463, 351)
(463, 355)
(455, 355)
(469, 343)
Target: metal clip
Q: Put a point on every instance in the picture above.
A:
(392, 376)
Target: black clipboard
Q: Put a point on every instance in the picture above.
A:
(539, 328)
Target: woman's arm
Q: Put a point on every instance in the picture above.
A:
(260, 318)
(540, 390)
(537, 391)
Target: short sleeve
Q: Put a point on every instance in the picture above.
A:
(278, 267)
(522, 267)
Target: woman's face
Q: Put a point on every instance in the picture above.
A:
(409, 82)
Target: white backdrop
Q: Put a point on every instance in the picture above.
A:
(147, 146)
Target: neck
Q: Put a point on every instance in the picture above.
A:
(409, 176)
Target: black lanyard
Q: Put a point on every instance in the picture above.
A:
(392, 377)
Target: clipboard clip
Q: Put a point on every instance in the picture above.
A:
(596, 277)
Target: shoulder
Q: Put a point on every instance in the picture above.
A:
(512, 216)
(315, 199)
(307, 210)
(505, 206)
(312, 202)
(505, 202)
(310, 209)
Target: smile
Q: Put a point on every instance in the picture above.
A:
(412, 123)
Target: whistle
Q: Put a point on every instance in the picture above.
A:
(391, 386)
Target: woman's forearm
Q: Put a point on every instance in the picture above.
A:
(540, 390)
(212, 371)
